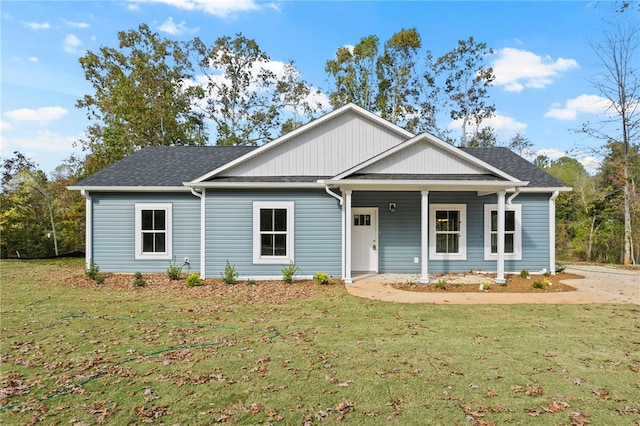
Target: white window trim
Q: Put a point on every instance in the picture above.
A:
(257, 257)
(462, 242)
(517, 236)
(168, 254)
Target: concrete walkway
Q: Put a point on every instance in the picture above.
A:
(601, 285)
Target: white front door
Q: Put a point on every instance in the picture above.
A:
(364, 239)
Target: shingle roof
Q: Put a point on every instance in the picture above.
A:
(516, 166)
(164, 165)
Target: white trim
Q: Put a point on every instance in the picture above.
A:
(311, 125)
(167, 254)
(374, 213)
(500, 262)
(88, 228)
(517, 234)
(271, 277)
(462, 242)
(257, 256)
(552, 232)
(129, 188)
(256, 184)
(447, 147)
(488, 187)
(424, 238)
(203, 234)
(347, 236)
(545, 189)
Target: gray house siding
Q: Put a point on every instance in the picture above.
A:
(229, 232)
(113, 231)
(399, 232)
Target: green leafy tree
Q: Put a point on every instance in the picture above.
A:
(142, 97)
(520, 144)
(246, 99)
(466, 82)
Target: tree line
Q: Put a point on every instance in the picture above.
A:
(153, 91)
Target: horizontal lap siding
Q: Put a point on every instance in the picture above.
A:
(229, 232)
(114, 227)
(399, 232)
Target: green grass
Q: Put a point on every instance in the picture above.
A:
(72, 355)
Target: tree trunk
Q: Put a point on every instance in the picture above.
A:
(627, 219)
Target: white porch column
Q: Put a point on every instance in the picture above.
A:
(501, 222)
(203, 234)
(88, 236)
(347, 236)
(552, 232)
(424, 238)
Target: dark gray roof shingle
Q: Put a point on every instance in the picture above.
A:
(165, 165)
(514, 165)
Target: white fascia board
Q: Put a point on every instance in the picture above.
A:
(304, 129)
(130, 188)
(436, 141)
(256, 185)
(432, 185)
(546, 189)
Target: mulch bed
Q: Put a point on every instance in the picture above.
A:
(514, 284)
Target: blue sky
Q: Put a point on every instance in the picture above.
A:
(542, 60)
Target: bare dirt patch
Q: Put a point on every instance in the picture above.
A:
(265, 292)
(459, 283)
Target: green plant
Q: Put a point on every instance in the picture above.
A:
(138, 281)
(92, 271)
(289, 272)
(174, 271)
(524, 274)
(230, 275)
(251, 281)
(194, 280)
(441, 284)
(99, 279)
(485, 286)
(321, 278)
(542, 284)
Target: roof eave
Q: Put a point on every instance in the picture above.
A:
(94, 188)
(255, 185)
(432, 185)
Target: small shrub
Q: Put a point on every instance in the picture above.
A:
(251, 282)
(321, 278)
(174, 271)
(99, 279)
(289, 272)
(547, 273)
(92, 271)
(194, 280)
(139, 281)
(230, 275)
(441, 284)
(485, 286)
(542, 284)
(524, 274)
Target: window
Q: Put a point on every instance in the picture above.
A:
(272, 232)
(512, 232)
(153, 225)
(448, 231)
(361, 220)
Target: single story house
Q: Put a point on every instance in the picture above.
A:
(346, 193)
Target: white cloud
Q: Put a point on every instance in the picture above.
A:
(32, 59)
(5, 125)
(80, 25)
(591, 104)
(43, 115)
(38, 25)
(71, 43)
(516, 69)
(42, 140)
(552, 153)
(170, 27)
(221, 8)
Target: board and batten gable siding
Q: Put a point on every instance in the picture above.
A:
(326, 150)
(114, 228)
(229, 232)
(399, 232)
(423, 158)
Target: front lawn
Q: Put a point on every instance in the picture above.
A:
(78, 354)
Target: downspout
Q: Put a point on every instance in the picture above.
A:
(342, 224)
(333, 194)
(514, 195)
(201, 195)
(88, 228)
(552, 232)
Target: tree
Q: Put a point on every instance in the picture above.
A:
(486, 137)
(466, 83)
(246, 99)
(619, 84)
(27, 210)
(142, 97)
(520, 144)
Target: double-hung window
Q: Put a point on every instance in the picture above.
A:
(448, 231)
(273, 232)
(153, 226)
(512, 232)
